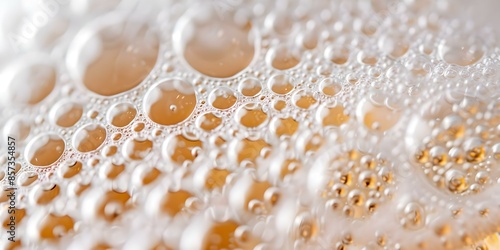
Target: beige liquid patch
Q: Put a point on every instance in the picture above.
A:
(116, 57)
(283, 58)
(122, 115)
(170, 102)
(46, 150)
(89, 138)
(68, 114)
(216, 45)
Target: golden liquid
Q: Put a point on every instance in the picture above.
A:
(334, 116)
(306, 101)
(281, 84)
(283, 58)
(250, 150)
(48, 153)
(209, 122)
(174, 202)
(287, 126)
(220, 48)
(123, 62)
(90, 138)
(250, 87)
(181, 149)
(252, 116)
(69, 171)
(69, 115)
(378, 117)
(223, 99)
(171, 103)
(123, 115)
(138, 150)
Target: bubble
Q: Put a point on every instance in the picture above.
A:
(89, 138)
(449, 150)
(280, 22)
(284, 126)
(461, 50)
(283, 57)
(377, 117)
(28, 80)
(251, 115)
(306, 226)
(496, 151)
(52, 227)
(138, 127)
(279, 105)
(111, 171)
(248, 194)
(337, 54)
(367, 26)
(213, 235)
(304, 99)
(92, 114)
(136, 149)
(209, 122)
(453, 124)
(113, 54)
(182, 148)
(17, 127)
(216, 178)
(45, 149)
(174, 202)
(122, 114)
(309, 39)
(116, 136)
(281, 84)
(27, 179)
(215, 45)
(70, 170)
(312, 142)
(413, 216)
(490, 242)
(222, 98)
(368, 57)
(474, 150)
(352, 178)
(456, 181)
(109, 150)
(170, 102)
(148, 174)
(110, 206)
(394, 45)
(66, 114)
(333, 115)
(250, 87)
(417, 65)
(438, 156)
(243, 235)
(249, 150)
(45, 193)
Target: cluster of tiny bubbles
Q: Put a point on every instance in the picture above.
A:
(367, 124)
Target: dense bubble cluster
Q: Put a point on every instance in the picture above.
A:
(367, 124)
(457, 150)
